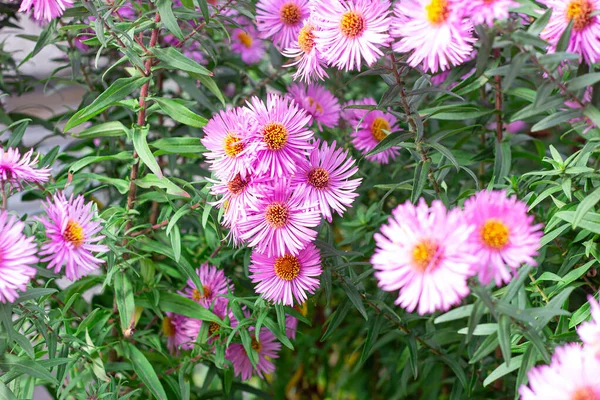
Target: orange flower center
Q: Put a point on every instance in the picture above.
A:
(318, 178)
(378, 127)
(306, 39)
(245, 39)
(580, 12)
(312, 102)
(232, 145)
(275, 135)
(425, 255)
(256, 345)
(276, 215)
(352, 24)
(237, 185)
(585, 393)
(495, 234)
(197, 296)
(287, 267)
(213, 328)
(74, 233)
(437, 11)
(290, 13)
(167, 327)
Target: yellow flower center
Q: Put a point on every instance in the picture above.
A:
(306, 39)
(287, 267)
(237, 185)
(378, 127)
(167, 327)
(585, 393)
(245, 39)
(256, 345)
(495, 234)
(352, 24)
(74, 233)
(318, 178)
(290, 13)
(425, 255)
(197, 296)
(276, 215)
(437, 11)
(213, 328)
(232, 145)
(580, 12)
(313, 102)
(275, 135)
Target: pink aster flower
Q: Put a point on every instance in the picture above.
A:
(214, 283)
(425, 252)
(307, 57)
(45, 10)
(326, 178)
(72, 236)
(351, 30)
(434, 31)
(18, 257)
(282, 139)
(246, 43)
(371, 127)
(291, 327)
(286, 278)
(280, 221)
(487, 11)
(16, 169)
(226, 137)
(504, 235)
(572, 375)
(318, 102)
(181, 332)
(281, 20)
(266, 348)
(589, 332)
(585, 35)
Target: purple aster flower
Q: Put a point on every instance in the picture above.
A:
(585, 36)
(504, 235)
(589, 331)
(226, 137)
(326, 178)
(14, 169)
(425, 252)
(309, 60)
(487, 11)
(434, 31)
(72, 236)
(370, 128)
(286, 278)
(282, 139)
(318, 102)
(351, 30)
(17, 257)
(266, 348)
(181, 332)
(280, 221)
(214, 283)
(281, 20)
(45, 10)
(81, 37)
(291, 327)
(246, 43)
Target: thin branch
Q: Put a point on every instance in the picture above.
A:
(262, 84)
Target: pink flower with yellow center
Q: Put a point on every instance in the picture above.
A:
(265, 348)
(434, 32)
(487, 11)
(15, 170)
(45, 10)
(504, 235)
(214, 283)
(318, 102)
(181, 332)
(585, 34)
(589, 331)
(310, 62)
(425, 253)
(281, 20)
(73, 236)
(247, 44)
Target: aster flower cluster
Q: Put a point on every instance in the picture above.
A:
(429, 252)
(573, 371)
(275, 182)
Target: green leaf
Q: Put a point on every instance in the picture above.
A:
(180, 113)
(592, 113)
(174, 59)
(178, 145)
(106, 129)
(421, 173)
(84, 162)
(336, 318)
(25, 344)
(590, 221)
(503, 369)
(210, 85)
(565, 38)
(125, 301)
(504, 337)
(372, 335)
(175, 237)
(586, 205)
(151, 180)
(456, 368)
(279, 334)
(143, 151)
(5, 392)
(28, 367)
(457, 313)
(145, 372)
(583, 81)
(120, 89)
(171, 302)
(165, 9)
(45, 38)
(555, 119)
(34, 293)
(18, 132)
(355, 298)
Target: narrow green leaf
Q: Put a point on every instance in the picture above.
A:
(586, 205)
(175, 237)
(85, 161)
(29, 367)
(421, 173)
(171, 302)
(17, 132)
(180, 113)
(145, 372)
(178, 145)
(165, 9)
(106, 129)
(504, 337)
(125, 300)
(336, 318)
(503, 369)
(151, 180)
(174, 59)
(583, 81)
(141, 147)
